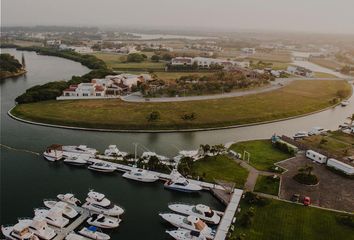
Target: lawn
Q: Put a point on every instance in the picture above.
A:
(221, 167)
(327, 63)
(299, 97)
(173, 76)
(262, 154)
(280, 220)
(267, 184)
(324, 75)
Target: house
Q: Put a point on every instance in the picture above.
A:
(248, 51)
(296, 70)
(53, 42)
(341, 166)
(204, 62)
(182, 61)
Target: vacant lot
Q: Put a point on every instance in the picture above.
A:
(221, 168)
(297, 98)
(327, 63)
(262, 153)
(280, 220)
(333, 191)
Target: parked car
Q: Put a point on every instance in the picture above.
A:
(307, 201)
(295, 197)
(301, 134)
(318, 131)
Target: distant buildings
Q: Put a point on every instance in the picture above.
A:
(248, 51)
(203, 62)
(80, 49)
(296, 70)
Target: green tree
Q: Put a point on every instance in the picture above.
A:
(153, 116)
(135, 57)
(155, 58)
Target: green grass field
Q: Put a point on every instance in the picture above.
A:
(280, 220)
(323, 75)
(263, 154)
(267, 184)
(297, 98)
(221, 168)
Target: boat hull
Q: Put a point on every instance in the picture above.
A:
(139, 179)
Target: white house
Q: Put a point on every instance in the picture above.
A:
(296, 70)
(248, 51)
(315, 156)
(204, 62)
(341, 166)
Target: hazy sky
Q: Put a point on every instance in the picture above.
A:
(327, 16)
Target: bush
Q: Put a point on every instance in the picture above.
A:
(346, 220)
(135, 57)
(155, 58)
(282, 146)
(304, 178)
(188, 117)
(252, 198)
(153, 116)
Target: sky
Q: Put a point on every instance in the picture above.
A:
(323, 16)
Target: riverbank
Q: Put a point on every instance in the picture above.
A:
(5, 75)
(294, 100)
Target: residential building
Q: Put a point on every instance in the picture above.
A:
(296, 70)
(248, 51)
(204, 62)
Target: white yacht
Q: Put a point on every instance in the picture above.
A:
(69, 198)
(53, 216)
(80, 149)
(39, 227)
(180, 183)
(200, 210)
(102, 167)
(102, 221)
(78, 160)
(98, 202)
(74, 236)
(190, 223)
(94, 233)
(113, 151)
(344, 103)
(53, 153)
(68, 211)
(183, 234)
(140, 175)
(20, 231)
(301, 134)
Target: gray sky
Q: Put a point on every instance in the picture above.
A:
(328, 16)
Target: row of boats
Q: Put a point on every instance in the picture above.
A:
(60, 213)
(193, 222)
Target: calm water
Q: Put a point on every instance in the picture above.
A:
(26, 179)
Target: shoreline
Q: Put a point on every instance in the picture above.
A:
(15, 75)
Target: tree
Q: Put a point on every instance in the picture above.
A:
(153, 116)
(155, 58)
(135, 57)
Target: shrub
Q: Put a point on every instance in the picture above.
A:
(346, 220)
(153, 116)
(304, 178)
(135, 57)
(252, 198)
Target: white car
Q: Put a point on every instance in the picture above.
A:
(317, 131)
(301, 134)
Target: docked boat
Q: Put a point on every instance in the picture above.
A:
(193, 154)
(20, 231)
(102, 167)
(140, 175)
(344, 103)
(69, 198)
(301, 134)
(68, 211)
(80, 149)
(200, 210)
(53, 216)
(113, 151)
(78, 160)
(74, 236)
(98, 202)
(102, 221)
(93, 232)
(189, 222)
(148, 155)
(39, 227)
(183, 234)
(53, 153)
(180, 183)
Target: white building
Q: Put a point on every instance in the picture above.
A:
(315, 156)
(296, 70)
(341, 166)
(248, 51)
(204, 62)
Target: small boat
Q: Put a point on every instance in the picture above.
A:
(80, 149)
(93, 232)
(74, 236)
(68, 211)
(113, 151)
(183, 234)
(39, 227)
(102, 167)
(98, 203)
(191, 223)
(20, 231)
(140, 175)
(79, 160)
(69, 198)
(102, 221)
(53, 153)
(200, 210)
(344, 103)
(301, 134)
(180, 183)
(53, 216)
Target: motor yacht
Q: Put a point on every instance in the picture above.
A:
(113, 151)
(68, 211)
(188, 222)
(200, 210)
(102, 221)
(78, 160)
(301, 134)
(20, 231)
(93, 232)
(80, 149)
(344, 103)
(39, 227)
(102, 167)
(98, 202)
(69, 198)
(140, 175)
(183, 234)
(53, 216)
(53, 153)
(74, 236)
(180, 183)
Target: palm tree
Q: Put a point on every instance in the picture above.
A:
(351, 118)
